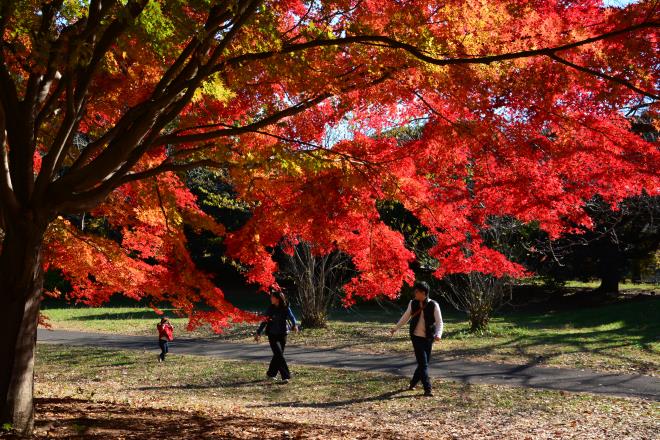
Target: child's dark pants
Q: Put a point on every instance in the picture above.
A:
(164, 348)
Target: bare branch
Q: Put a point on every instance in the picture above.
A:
(162, 206)
(604, 76)
(172, 167)
(275, 117)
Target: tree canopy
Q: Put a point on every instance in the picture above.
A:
(104, 104)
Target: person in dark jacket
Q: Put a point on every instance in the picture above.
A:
(278, 316)
(425, 327)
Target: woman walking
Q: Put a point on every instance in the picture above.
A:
(278, 315)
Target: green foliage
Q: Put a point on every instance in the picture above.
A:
(214, 87)
(158, 27)
(217, 198)
(418, 238)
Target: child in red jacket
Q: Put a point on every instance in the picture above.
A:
(165, 335)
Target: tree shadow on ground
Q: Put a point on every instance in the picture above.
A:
(206, 386)
(97, 356)
(614, 331)
(76, 418)
(137, 315)
(397, 394)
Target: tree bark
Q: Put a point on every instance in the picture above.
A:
(609, 282)
(21, 282)
(610, 266)
(313, 317)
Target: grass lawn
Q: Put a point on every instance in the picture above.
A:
(622, 286)
(621, 337)
(124, 394)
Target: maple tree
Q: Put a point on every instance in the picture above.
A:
(103, 104)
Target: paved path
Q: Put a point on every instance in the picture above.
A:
(645, 387)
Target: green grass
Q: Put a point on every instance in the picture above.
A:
(622, 286)
(328, 397)
(621, 337)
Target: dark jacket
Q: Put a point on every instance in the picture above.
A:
(429, 317)
(276, 321)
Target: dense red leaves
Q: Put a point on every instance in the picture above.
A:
(149, 260)
(530, 137)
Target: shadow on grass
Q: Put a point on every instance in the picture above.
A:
(93, 357)
(77, 418)
(146, 314)
(611, 344)
(616, 332)
(205, 386)
(340, 403)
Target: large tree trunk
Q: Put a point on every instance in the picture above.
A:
(609, 282)
(21, 281)
(610, 268)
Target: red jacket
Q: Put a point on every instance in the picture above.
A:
(165, 331)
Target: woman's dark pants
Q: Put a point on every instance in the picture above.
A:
(278, 363)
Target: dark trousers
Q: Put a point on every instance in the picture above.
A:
(278, 363)
(164, 348)
(422, 347)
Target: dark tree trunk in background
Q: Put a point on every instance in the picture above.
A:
(609, 282)
(21, 281)
(610, 268)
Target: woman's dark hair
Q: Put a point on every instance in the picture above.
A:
(163, 320)
(280, 296)
(423, 286)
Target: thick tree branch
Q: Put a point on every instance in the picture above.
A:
(389, 42)
(172, 167)
(152, 115)
(85, 201)
(38, 82)
(8, 92)
(119, 176)
(77, 85)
